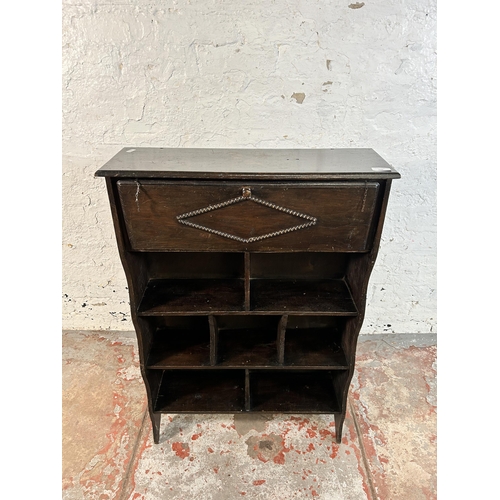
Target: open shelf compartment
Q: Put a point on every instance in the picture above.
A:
(255, 284)
(191, 296)
(247, 341)
(233, 391)
(315, 342)
(288, 391)
(302, 296)
(180, 341)
(192, 283)
(201, 391)
(300, 283)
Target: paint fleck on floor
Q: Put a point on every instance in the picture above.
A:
(388, 450)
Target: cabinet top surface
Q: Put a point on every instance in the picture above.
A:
(204, 163)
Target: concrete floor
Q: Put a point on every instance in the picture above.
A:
(388, 450)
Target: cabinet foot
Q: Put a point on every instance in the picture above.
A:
(339, 422)
(156, 420)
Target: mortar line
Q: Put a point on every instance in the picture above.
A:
(366, 466)
(132, 457)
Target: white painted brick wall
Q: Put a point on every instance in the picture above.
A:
(222, 73)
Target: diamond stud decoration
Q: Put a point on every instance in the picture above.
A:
(245, 197)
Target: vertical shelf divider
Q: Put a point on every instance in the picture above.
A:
(247, 281)
(280, 343)
(247, 390)
(214, 339)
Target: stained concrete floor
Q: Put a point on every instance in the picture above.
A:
(388, 450)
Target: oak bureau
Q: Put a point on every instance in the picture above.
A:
(247, 272)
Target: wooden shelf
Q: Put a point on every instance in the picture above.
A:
(179, 348)
(190, 296)
(257, 348)
(227, 296)
(248, 347)
(290, 296)
(314, 347)
(293, 391)
(201, 391)
(225, 391)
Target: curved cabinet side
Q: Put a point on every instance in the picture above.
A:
(135, 268)
(357, 277)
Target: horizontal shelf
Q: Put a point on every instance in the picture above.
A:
(256, 367)
(185, 296)
(247, 347)
(330, 296)
(293, 392)
(255, 342)
(194, 391)
(164, 297)
(267, 391)
(315, 348)
(179, 348)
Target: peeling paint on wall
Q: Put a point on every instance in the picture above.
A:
(299, 97)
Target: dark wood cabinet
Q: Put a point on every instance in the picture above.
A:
(247, 273)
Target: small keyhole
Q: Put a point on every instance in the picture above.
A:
(247, 192)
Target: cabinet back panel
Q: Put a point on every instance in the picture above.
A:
(199, 323)
(180, 265)
(247, 322)
(298, 265)
(316, 322)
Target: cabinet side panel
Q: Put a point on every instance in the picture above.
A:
(135, 268)
(357, 278)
